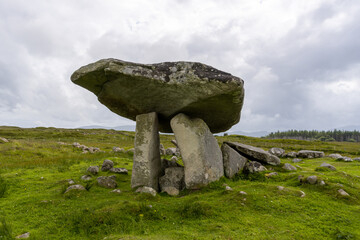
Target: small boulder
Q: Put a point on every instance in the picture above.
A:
(253, 166)
(289, 167)
(93, 170)
(86, 178)
(170, 151)
(76, 187)
(173, 141)
(146, 190)
(119, 170)
(107, 165)
(171, 191)
(290, 154)
(279, 152)
(335, 155)
(344, 159)
(242, 193)
(118, 150)
(70, 181)
(174, 177)
(329, 166)
(117, 191)
(3, 140)
(322, 183)
(269, 175)
(302, 194)
(106, 182)
(227, 188)
(311, 179)
(25, 235)
(357, 159)
(296, 160)
(310, 154)
(233, 161)
(343, 193)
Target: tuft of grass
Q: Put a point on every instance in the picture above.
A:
(3, 187)
(195, 209)
(5, 230)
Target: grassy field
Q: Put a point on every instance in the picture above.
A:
(35, 166)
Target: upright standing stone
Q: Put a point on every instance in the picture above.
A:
(233, 161)
(147, 164)
(199, 149)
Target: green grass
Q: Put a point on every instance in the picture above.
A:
(34, 168)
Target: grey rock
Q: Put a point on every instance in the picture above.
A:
(254, 153)
(289, 167)
(335, 155)
(76, 187)
(168, 163)
(119, 170)
(174, 177)
(344, 159)
(146, 190)
(162, 149)
(86, 178)
(343, 193)
(271, 174)
(227, 188)
(243, 193)
(357, 159)
(296, 160)
(322, 183)
(310, 154)
(253, 167)
(117, 191)
(311, 179)
(200, 151)
(173, 159)
(329, 166)
(93, 170)
(118, 150)
(171, 191)
(3, 140)
(107, 165)
(25, 235)
(70, 181)
(76, 144)
(233, 161)
(279, 152)
(131, 89)
(175, 143)
(302, 193)
(290, 154)
(171, 151)
(106, 182)
(147, 164)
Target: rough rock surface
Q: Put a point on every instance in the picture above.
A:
(335, 155)
(147, 164)
(253, 167)
(199, 149)
(174, 177)
(296, 160)
(25, 235)
(119, 170)
(106, 182)
(118, 149)
(329, 166)
(343, 193)
(170, 151)
(344, 159)
(171, 191)
(289, 167)
(3, 140)
(233, 161)
(311, 179)
(357, 159)
(279, 152)
(310, 154)
(147, 190)
(291, 154)
(93, 170)
(86, 178)
(76, 187)
(254, 153)
(107, 165)
(198, 90)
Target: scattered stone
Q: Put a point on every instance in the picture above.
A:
(86, 178)
(357, 159)
(147, 190)
(290, 155)
(233, 161)
(343, 193)
(119, 170)
(70, 181)
(296, 160)
(131, 89)
(200, 151)
(173, 141)
(117, 191)
(76, 144)
(171, 191)
(269, 175)
(254, 153)
(174, 177)
(76, 187)
(173, 159)
(113, 177)
(280, 188)
(107, 165)
(289, 167)
(147, 164)
(3, 140)
(94, 170)
(298, 166)
(243, 193)
(327, 165)
(344, 159)
(227, 188)
(310, 154)
(162, 149)
(106, 182)
(118, 150)
(279, 152)
(171, 151)
(253, 166)
(335, 155)
(311, 179)
(302, 194)
(322, 183)
(25, 235)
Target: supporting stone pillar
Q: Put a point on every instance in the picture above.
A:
(147, 165)
(199, 149)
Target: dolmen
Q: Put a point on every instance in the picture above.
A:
(190, 99)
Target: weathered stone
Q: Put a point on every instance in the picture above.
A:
(311, 179)
(106, 182)
(76, 187)
(162, 149)
(117, 191)
(70, 181)
(329, 166)
(3, 140)
(243, 193)
(146, 190)
(344, 159)
(233, 161)
(200, 151)
(357, 159)
(296, 160)
(289, 167)
(25, 235)
(86, 178)
(174, 142)
(174, 177)
(118, 149)
(343, 193)
(302, 194)
(310, 154)
(171, 191)
(107, 165)
(335, 155)
(200, 91)
(291, 154)
(227, 188)
(168, 163)
(269, 175)
(279, 152)
(173, 159)
(322, 183)
(119, 170)
(254, 153)
(147, 165)
(93, 170)
(253, 167)
(170, 151)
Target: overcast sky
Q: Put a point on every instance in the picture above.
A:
(300, 60)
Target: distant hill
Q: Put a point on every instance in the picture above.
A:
(249, 134)
(119, 128)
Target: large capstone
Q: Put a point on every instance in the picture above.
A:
(147, 164)
(199, 149)
(195, 89)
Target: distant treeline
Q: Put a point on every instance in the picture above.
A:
(326, 136)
